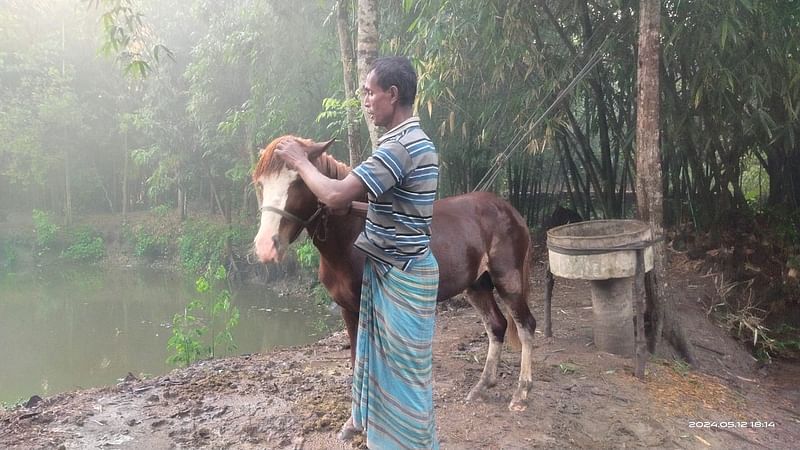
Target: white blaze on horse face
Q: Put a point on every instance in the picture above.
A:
(274, 193)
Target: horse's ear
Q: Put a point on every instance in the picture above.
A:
(317, 148)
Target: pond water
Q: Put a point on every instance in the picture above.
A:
(67, 328)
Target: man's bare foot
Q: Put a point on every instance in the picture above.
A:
(348, 431)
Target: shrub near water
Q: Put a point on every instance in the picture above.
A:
(46, 230)
(150, 245)
(202, 245)
(85, 245)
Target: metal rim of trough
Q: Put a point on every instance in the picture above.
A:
(560, 242)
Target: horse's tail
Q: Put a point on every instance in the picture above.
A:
(512, 335)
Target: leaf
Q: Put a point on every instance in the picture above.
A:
(725, 26)
(452, 121)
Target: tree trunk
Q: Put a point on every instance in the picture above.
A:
(367, 50)
(125, 179)
(348, 69)
(67, 189)
(649, 195)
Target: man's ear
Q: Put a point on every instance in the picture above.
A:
(316, 149)
(394, 92)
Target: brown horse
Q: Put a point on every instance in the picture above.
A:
(480, 242)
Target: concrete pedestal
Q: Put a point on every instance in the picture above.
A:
(588, 251)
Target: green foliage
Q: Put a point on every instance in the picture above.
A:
(334, 112)
(126, 37)
(162, 211)
(202, 245)
(321, 296)
(680, 366)
(787, 340)
(307, 255)
(206, 323)
(187, 334)
(8, 254)
(85, 245)
(45, 229)
(149, 244)
(784, 225)
(755, 181)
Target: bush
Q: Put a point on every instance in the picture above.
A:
(150, 245)
(202, 245)
(46, 231)
(162, 211)
(85, 245)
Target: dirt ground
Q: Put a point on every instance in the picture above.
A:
(296, 398)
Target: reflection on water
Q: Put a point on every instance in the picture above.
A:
(64, 328)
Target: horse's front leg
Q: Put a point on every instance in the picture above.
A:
(495, 325)
(348, 429)
(351, 324)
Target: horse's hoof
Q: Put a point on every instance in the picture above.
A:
(476, 394)
(517, 406)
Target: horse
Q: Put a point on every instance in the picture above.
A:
(479, 240)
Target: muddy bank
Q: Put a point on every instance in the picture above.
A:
(297, 397)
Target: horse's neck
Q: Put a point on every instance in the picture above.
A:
(336, 237)
(331, 167)
(341, 230)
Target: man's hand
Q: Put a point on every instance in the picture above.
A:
(291, 152)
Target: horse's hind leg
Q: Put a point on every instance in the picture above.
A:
(512, 287)
(480, 296)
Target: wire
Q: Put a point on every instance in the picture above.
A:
(524, 131)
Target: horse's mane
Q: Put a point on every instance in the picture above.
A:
(332, 167)
(325, 163)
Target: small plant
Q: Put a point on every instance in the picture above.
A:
(567, 368)
(46, 231)
(85, 246)
(321, 296)
(680, 367)
(307, 255)
(206, 323)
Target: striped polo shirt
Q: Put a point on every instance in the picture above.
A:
(401, 178)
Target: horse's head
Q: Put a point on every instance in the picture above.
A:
(284, 200)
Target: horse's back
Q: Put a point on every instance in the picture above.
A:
(474, 233)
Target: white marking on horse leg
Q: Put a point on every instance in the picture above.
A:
(274, 193)
(519, 401)
(489, 376)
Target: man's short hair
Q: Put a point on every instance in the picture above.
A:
(397, 71)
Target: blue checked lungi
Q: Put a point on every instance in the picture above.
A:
(392, 379)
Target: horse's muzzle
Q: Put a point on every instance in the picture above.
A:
(269, 249)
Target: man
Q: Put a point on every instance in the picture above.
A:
(392, 377)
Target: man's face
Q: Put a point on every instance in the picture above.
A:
(378, 102)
